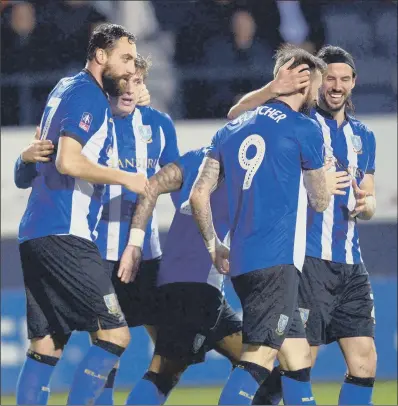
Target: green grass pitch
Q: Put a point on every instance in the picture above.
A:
(385, 393)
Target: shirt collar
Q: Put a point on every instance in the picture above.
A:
(90, 75)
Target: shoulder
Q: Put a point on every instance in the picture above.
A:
(156, 115)
(360, 127)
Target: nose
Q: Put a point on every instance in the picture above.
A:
(337, 85)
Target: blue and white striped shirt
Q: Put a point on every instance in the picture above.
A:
(146, 141)
(333, 235)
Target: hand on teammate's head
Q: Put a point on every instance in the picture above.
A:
(289, 81)
(38, 150)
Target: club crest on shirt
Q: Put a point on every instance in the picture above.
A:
(145, 132)
(356, 143)
(198, 342)
(112, 304)
(85, 121)
(282, 323)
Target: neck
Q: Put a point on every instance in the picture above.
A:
(338, 115)
(294, 101)
(95, 70)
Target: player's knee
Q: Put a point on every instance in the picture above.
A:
(120, 336)
(163, 381)
(51, 345)
(363, 359)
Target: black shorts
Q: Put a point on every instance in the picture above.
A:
(194, 318)
(269, 303)
(67, 287)
(139, 299)
(336, 300)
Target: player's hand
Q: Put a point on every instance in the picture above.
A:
(38, 150)
(144, 98)
(220, 258)
(136, 182)
(360, 198)
(337, 181)
(290, 80)
(129, 264)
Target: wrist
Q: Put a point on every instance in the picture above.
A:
(137, 237)
(370, 208)
(23, 159)
(273, 88)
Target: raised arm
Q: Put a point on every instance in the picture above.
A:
(286, 81)
(167, 180)
(317, 189)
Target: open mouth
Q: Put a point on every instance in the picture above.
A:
(126, 100)
(336, 97)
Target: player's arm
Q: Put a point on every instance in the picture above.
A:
(167, 180)
(70, 161)
(317, 190)
(199, 200)
(286, 81)
(365, 194)
(25, 166)
(310, 138)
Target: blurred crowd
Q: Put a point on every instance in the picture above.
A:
(207, 53)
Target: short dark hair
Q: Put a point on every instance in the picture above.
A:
(332, 54)
(301, 56)
(105, 36)
(143, 64)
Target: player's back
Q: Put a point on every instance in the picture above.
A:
(60, 204)
(262, 154)
(185, 258)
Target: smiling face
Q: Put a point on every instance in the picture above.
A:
(125, 104)
(337, 85)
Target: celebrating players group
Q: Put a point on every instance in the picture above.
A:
(272, 204)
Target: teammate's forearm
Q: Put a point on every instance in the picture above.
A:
(201, 211)
(317, 190)
(252, 100)
(79, 166)
(167, 180)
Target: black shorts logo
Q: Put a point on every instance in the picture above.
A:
(112, 304)
(198, 342)
(304, 313)
(282, 323)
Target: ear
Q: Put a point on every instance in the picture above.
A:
(100, 56)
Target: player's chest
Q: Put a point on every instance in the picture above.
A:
(138, 146)
(348, 149)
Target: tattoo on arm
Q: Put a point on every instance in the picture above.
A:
(205, 184)
(167, 180)
(318, 193)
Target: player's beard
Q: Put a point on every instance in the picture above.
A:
(334, 107)
(308, 105)
(112, 82)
